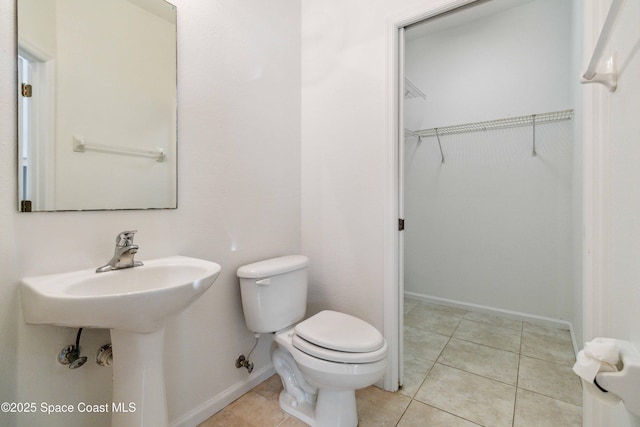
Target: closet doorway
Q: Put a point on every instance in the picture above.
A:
(489, 182)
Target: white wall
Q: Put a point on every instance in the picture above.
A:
(40, 28)
(345, 151)
(578, 171)
(126, 98)
(492, 225)
(512, 63)
(624, 105)
(239, 192)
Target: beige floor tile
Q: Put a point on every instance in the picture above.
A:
(415, 371)
(469, 396)
(494, 320)
(270, 388)
(550, 379)
(442, 309)
(292, 422)
(421, 415)
(409, 304)
(250, 410)
(491, 335)
(547, 331)
(437, 321)
(493, 363)
(377, 407)
(535, 410)
(226, 418)
(422, 343)
(549, 348)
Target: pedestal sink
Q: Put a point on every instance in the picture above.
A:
(135, 304)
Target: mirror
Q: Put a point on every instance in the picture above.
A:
(97, 105)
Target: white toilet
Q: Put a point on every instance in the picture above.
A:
(323, 360)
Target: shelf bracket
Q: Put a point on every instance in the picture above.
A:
(440, 145)
(609, 78)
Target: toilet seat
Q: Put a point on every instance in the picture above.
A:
(337, 356)
(339, 337)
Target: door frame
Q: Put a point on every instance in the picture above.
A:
(393, 287)
(42, 127)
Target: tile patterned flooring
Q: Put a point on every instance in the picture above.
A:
(462, 368)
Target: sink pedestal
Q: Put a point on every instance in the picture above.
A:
(139, 398)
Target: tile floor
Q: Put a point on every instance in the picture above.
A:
(462, 368)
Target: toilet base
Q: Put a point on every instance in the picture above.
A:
(303, 411)
(334, 408)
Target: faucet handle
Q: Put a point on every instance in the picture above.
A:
(125, 238)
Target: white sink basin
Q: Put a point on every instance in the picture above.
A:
(138, 299)
(134, 303)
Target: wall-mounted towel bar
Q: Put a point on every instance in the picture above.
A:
(609, 78)
(80, 145)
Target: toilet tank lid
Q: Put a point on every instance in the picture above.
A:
(273, 266)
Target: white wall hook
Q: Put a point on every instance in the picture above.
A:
(609, 78)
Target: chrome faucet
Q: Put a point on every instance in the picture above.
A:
(124, 253)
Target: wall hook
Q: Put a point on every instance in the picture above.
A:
(608, 79)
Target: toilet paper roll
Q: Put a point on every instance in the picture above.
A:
(605, 350)
(587, 367)
(599, 355)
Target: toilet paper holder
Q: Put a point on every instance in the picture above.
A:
(625, 383)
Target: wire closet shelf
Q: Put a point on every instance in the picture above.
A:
(511, 122)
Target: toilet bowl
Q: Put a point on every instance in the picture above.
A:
(321, 360)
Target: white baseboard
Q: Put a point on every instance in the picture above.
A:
(510, 314)
(222, 399)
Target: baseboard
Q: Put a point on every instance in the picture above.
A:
(222, 399)
(510, 314)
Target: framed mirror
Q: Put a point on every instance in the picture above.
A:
(97, 105)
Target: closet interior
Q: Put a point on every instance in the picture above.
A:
(491, 161)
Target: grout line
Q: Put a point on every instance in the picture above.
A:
(447, 412)
(403, 412)
(486, 345)
(515, 400)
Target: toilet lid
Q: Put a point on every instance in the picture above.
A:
(340, 332)
(338, 356)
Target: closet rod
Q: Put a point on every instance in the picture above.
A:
(510, 122)
(608, 78)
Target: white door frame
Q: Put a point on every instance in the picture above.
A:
(596, 204)
(42, 126)
(393, 289)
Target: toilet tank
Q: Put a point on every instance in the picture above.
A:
(274, 292)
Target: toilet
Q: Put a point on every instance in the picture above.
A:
(322, 360)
